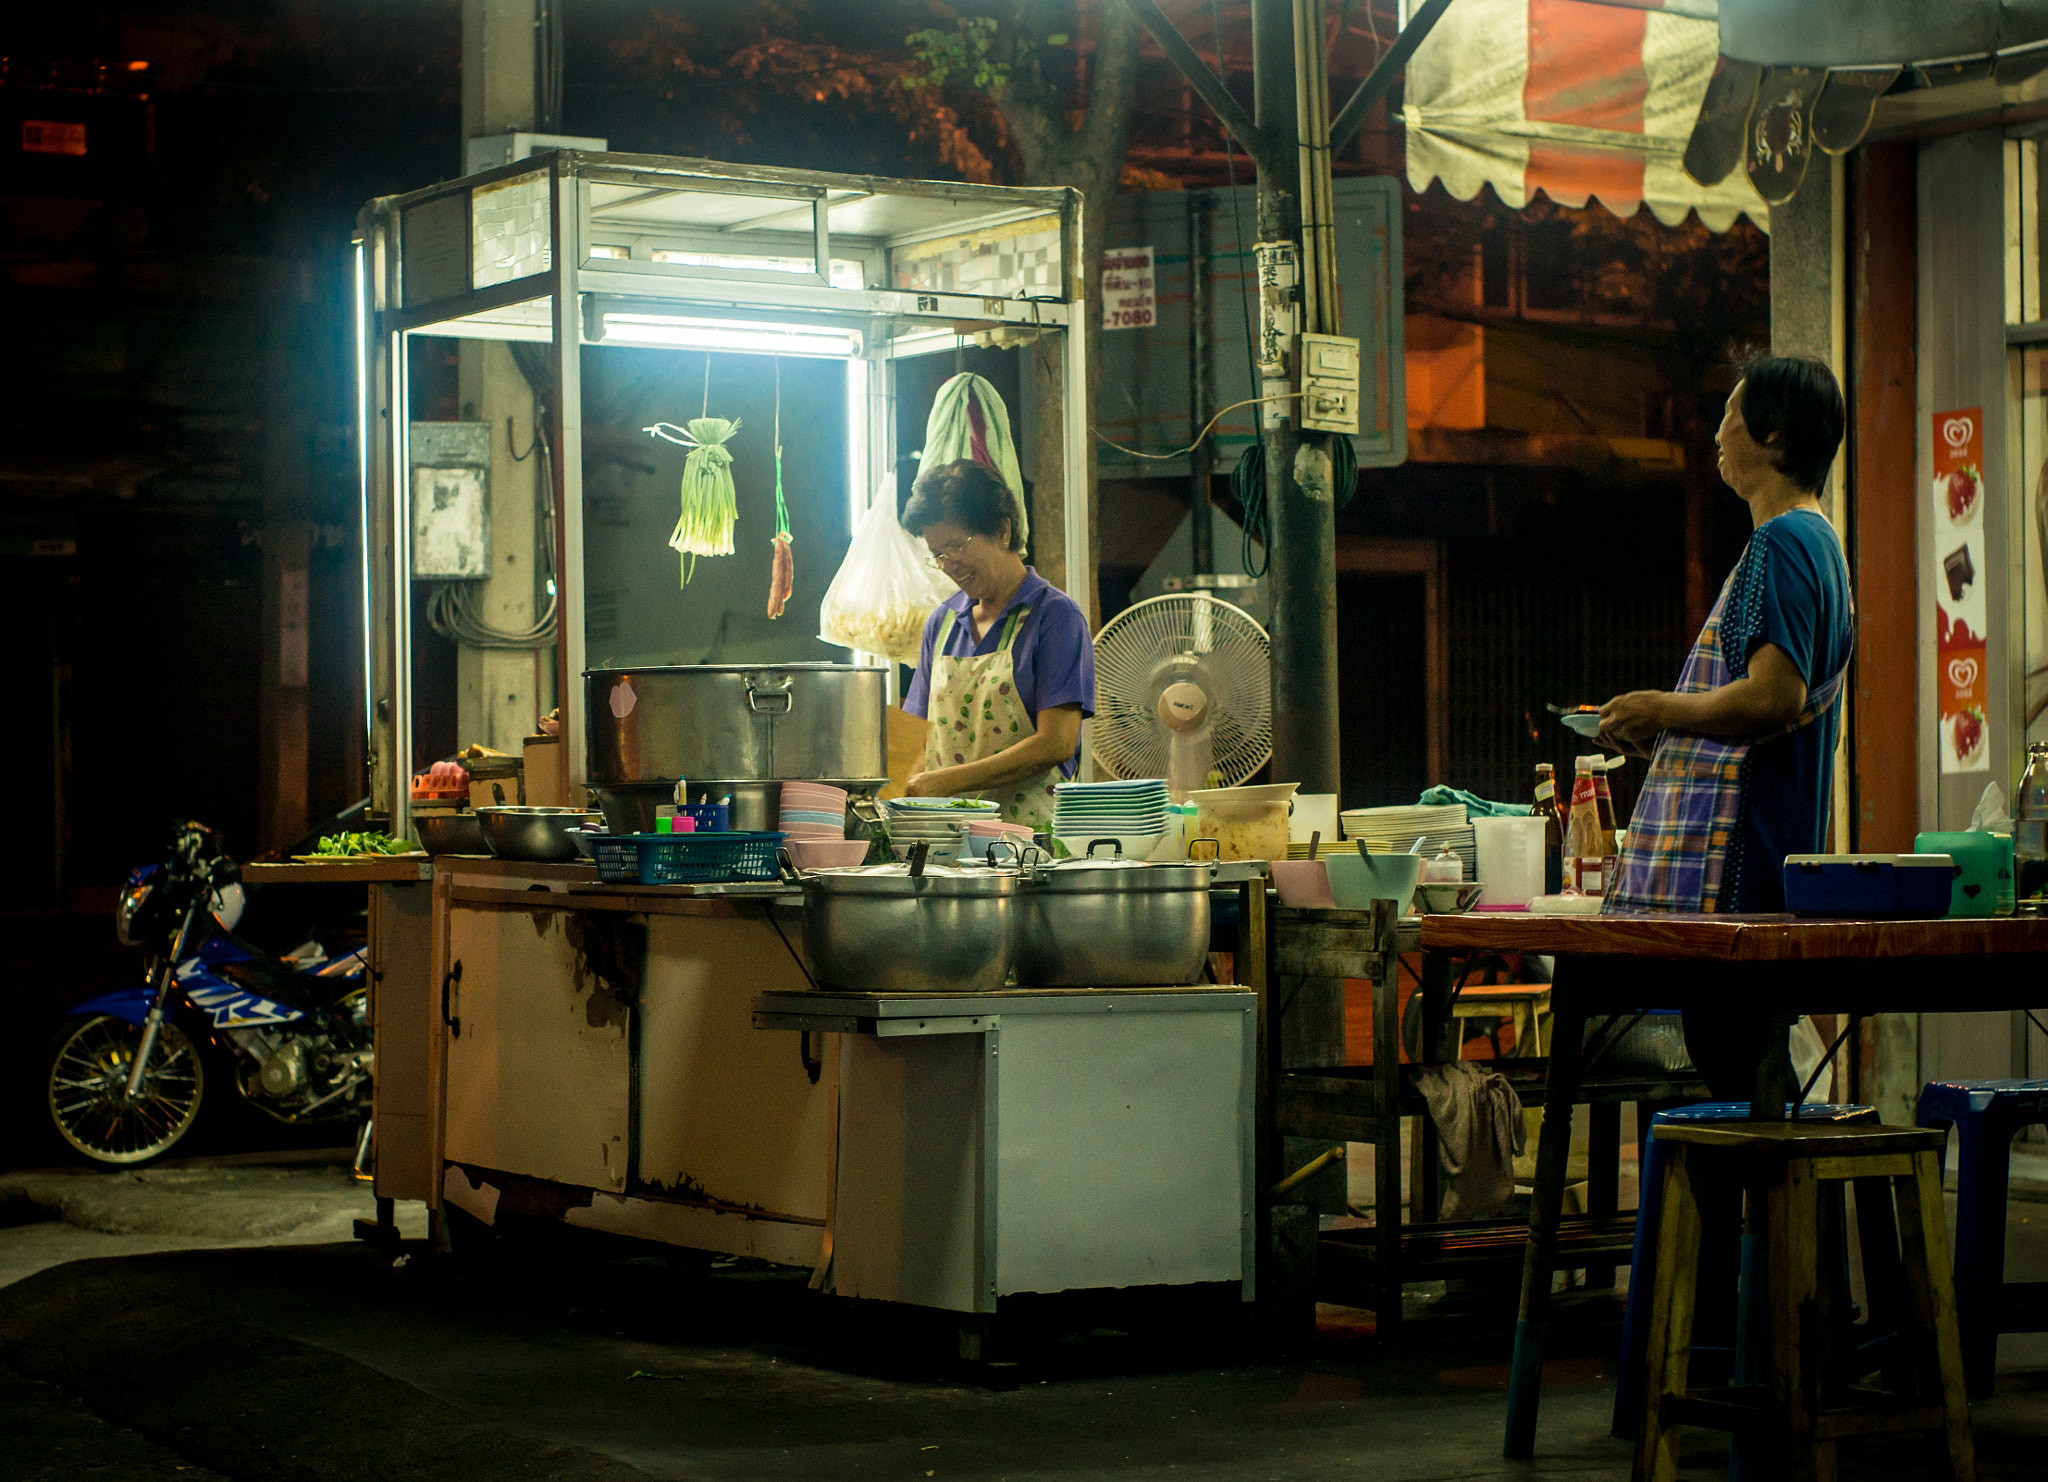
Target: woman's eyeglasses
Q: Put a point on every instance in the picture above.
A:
(950, 551)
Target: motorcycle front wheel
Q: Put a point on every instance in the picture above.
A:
(87, 1089)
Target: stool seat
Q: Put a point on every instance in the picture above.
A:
(1628, 1384)
(1986, 1116)
(1805, 1139)
(1801, 1410)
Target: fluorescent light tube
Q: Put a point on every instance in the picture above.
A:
(729, 334)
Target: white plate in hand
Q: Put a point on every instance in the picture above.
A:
(1584, 722)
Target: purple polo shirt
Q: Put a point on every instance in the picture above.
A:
(1053, 655)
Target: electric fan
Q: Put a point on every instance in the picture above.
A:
(1184, 691)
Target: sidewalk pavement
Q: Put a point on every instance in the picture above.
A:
(590, 1362)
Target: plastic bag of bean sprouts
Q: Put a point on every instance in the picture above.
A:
(885, 588)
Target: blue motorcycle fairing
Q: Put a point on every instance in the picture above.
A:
(227, 1004)
(130, 1005)
(230, 1005)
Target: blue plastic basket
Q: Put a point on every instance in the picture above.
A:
(685, 859)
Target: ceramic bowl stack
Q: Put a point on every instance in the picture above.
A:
(1131, 813)
(812, 810)
(1395, 830)
(983, 832)
(939, 822)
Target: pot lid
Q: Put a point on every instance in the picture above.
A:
(896, 880)
(1268, 792)
(1117, 876)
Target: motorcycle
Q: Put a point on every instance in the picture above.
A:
(129, 1073)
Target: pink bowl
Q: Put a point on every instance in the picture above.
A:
(825, 854)
(813, 831)
(1302, 882)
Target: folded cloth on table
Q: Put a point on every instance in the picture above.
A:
(1478, 1121)
(1475, 807)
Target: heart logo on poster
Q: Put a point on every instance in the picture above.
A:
(1962, 673)
(1956, 432)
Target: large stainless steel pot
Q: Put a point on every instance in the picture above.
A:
(879, 930)
(756, 803)
(1113, 924)
(799, 721)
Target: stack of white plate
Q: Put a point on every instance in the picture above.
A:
(939, 822)
(1395, 830)
(1132, 813)
(813, 810)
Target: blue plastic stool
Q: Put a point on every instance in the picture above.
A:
(1987, 1115)
(1635, 1334)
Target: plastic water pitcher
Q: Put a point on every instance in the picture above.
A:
(1510, 859)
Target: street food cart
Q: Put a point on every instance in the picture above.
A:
(658, 1061)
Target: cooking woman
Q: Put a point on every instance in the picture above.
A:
(1007, 672)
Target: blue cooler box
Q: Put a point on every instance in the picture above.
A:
(1869, 885)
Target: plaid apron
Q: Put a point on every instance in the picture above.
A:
(1675, 857)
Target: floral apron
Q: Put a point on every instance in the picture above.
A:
(975, 712)
(1676, 855)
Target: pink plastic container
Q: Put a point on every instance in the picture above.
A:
(1302, 882)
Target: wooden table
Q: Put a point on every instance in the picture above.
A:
(1781, 967)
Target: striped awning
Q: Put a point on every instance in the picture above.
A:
(1582, 101)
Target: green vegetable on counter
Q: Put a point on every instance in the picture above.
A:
(341, 846)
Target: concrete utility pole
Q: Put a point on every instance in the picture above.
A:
(502, 691)
(1297, 295)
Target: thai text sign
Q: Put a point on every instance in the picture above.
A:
(1128, 298)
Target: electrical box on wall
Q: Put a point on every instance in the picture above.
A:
(451, 501)
(1329, 384)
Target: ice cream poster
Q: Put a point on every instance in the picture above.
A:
(1958, 523)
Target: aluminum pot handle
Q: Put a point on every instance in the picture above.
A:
(1215, 858)
(769, 693)
(1116, 847)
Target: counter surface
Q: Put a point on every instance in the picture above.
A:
(405, 870)
(1735, 938)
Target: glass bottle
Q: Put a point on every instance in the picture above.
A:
(1546, 807)
(1584, 849)
(1605, 802)
(2030, 828)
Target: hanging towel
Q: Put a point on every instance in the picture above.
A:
(1478, 1121)
(969, 420)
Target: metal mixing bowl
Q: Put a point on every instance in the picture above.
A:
(450, 833)
(533, 833)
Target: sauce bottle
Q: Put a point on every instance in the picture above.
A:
(1546, 808)
(1584, 847)
(1605, 801)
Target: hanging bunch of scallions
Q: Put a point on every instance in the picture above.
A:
(704, 527)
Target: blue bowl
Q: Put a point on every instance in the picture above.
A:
(1356, 881)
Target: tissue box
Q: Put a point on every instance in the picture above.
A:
(1980, 860)
(1868, 885)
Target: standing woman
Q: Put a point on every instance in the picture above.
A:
(1742, 751)
(1007, 671)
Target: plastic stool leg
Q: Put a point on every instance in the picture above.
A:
(1642, 1283)
(1983, 1164)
